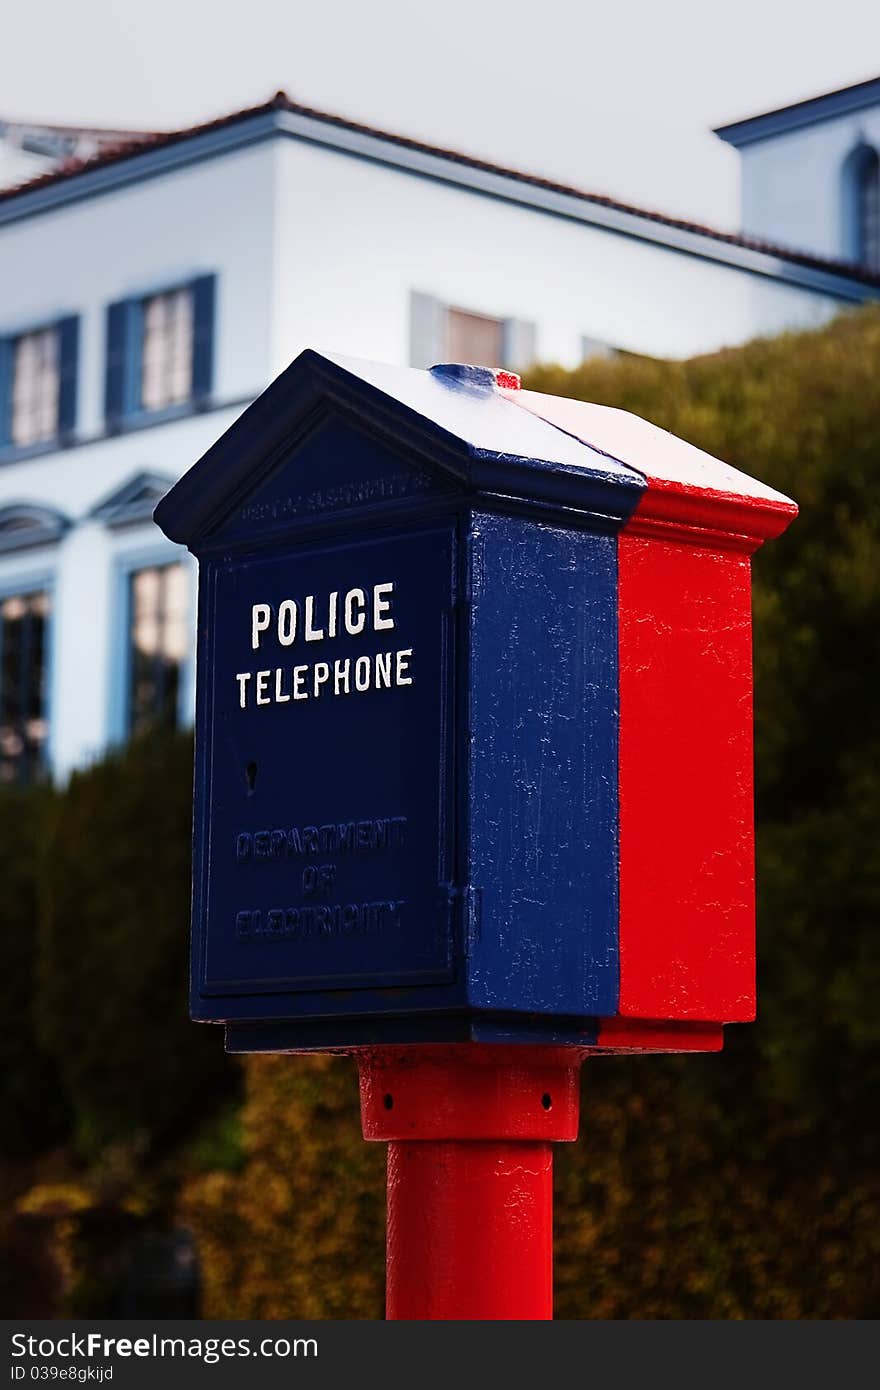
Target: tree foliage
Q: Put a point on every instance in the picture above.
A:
(299, 1231)
(31, 1102)
(801, 412)
(114, 931)
(739, 1185)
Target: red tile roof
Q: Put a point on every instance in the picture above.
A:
(142, 144)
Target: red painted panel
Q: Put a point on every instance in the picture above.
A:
(687, 947)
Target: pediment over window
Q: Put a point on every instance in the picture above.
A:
(134, 501)
(25, 524)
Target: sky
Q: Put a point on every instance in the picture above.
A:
(615, 96)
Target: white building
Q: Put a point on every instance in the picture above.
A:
(811, 174)
(151, 285)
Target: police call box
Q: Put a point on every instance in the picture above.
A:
(429, 605)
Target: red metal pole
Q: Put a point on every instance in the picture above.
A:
(470, 1230)
(470, 1175)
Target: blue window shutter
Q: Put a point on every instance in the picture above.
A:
(204, 308)
(115, 379)
(68, 358)
(6, 352)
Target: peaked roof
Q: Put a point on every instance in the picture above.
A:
(143, 144)
(456, 417)
(496, 441)
(26, 524)
(684, 483)
(133, 501)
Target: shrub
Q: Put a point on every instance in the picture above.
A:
(114, 930)
(802, 412)
(742, 1185)
(31, 1102)
(299, 1232)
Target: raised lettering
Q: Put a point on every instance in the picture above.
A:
(382, 605)
(287, 622)
(261, 616)
(355, 599)
(313, 634)
(383, 670)
(362, 673)
(403, 665)
(340, 676)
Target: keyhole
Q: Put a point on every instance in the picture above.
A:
(250, 773)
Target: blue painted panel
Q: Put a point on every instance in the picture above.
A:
(403, 862)
(324, 841)
(204, 300)
(68, 344)
(320, 1033)
(115, 364)
(6, 359)
(331, 470)
(543, 769)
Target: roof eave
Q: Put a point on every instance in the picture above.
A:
(189, 147)
(602, 492)
(768, 124)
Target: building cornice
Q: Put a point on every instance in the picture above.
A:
(838, 281)
(569, 204)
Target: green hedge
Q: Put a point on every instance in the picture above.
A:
(744, 1184)
(299, 1232)
(32, 1106)
(114, 931)
(802, 412)
(738, 1185)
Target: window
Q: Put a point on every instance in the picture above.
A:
(160, 352)
(166, 350)
(440, 333)
(158, 645)
(474, 338)
(868, 195)
(35, 387)
(38, 385)
(24, 620)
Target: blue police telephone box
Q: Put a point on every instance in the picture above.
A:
(473, 765)
(405, 793)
